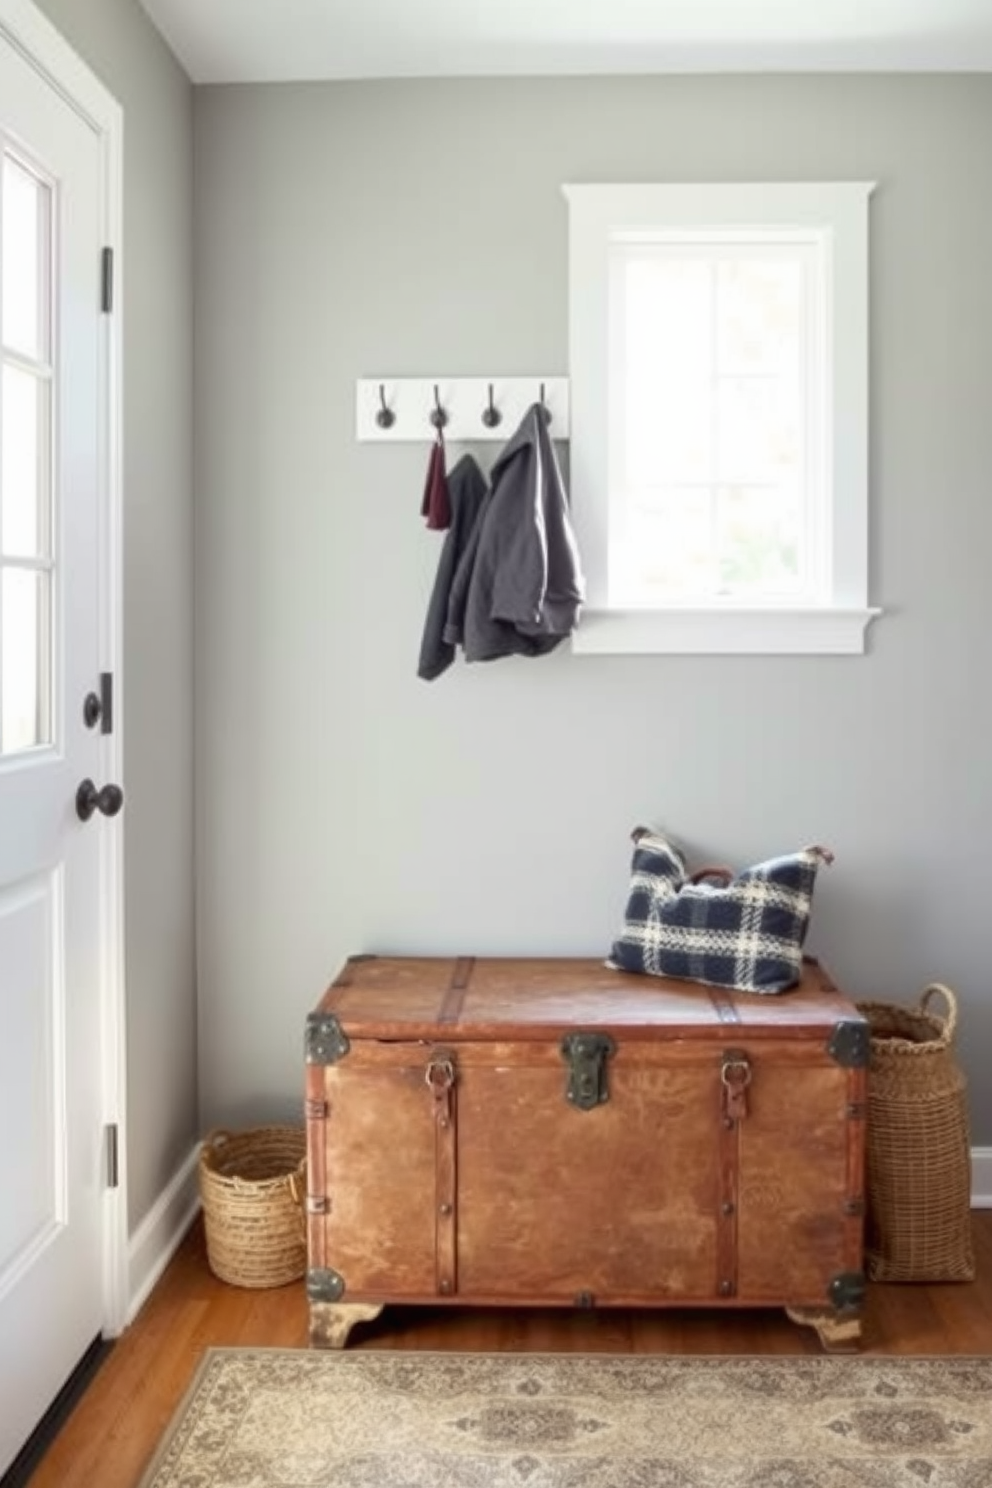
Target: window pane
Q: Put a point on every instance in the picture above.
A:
(668, 370)
(760, 430)
(25, 503)
(25, 252)
(759, 541)
(669, 545)
(712, 436)
(25, 659)
(759, 317)
(669, 304)
(669, 434)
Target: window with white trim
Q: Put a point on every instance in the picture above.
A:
(719, 402)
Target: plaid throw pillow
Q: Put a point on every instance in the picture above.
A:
(746, 933)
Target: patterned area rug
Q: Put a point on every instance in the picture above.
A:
(267, 1418)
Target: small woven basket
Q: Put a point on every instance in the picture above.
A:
(919, 1152)
(251, 1186)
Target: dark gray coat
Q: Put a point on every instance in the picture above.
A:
(467, 491)
(519, 585)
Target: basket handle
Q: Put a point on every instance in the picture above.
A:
(217, 1137)
(298, 1195)
(951, 1016)
(724, 874)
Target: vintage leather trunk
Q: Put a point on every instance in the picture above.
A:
(553, 1132)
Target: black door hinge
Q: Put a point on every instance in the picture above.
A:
(113, 1169)
(107, 280)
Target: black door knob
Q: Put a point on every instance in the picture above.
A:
(88, 799)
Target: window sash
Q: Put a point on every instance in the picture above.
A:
(714, 248)
(603, 215)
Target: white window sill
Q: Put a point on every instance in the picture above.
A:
(755, 632)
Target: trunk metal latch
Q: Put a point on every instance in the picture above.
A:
(439, 1077)
(586, 1055)
(735, 1077)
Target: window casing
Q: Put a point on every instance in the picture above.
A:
(719, 386)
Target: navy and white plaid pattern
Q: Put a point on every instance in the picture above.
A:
(748, 935)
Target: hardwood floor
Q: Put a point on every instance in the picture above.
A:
(113, 1430)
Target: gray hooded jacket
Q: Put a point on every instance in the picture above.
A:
(518, 587)
(467, 492)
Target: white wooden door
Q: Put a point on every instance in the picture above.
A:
(52, 902)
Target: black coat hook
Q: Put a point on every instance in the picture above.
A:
(438, 415)
(385, 417)
(491, 415)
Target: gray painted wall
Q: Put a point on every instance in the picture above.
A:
(343, 805)
(119, 42)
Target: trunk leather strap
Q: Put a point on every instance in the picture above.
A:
(735, 1077)
(441, 1078)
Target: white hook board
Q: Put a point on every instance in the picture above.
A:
(464, 399)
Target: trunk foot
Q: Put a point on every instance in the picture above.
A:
(331, 1322)
(838, 1332)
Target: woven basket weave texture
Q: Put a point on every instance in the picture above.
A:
(919, 1150)
(249, 1187)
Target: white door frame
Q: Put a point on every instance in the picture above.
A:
(36, 39)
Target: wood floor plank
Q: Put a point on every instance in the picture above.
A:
(113, 1432)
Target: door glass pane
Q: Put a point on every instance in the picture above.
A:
(25, 659)
(25, 259)
(25, 512)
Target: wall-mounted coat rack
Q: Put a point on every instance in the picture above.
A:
(395, 409)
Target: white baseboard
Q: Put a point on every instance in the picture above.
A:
(155, 1241)
(981, 1177)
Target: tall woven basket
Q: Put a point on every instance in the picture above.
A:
(251, 1186)
(919, 1154)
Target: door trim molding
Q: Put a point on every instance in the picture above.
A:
(981, 1177)
(31, 34)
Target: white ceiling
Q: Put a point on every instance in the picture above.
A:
(271, 40)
